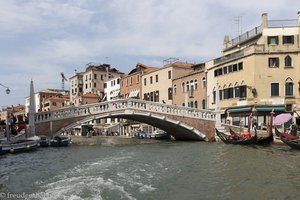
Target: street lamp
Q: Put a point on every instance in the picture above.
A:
(7, 126)
(7, 89)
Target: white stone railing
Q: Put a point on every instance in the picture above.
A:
(120, 105)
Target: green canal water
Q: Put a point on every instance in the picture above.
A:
(167, 170)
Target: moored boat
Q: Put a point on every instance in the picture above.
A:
(230, 139)
(44, 141)
(60, 141)
(19, 146)
(161, 135)
(290, 140)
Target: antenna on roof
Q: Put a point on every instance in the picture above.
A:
(170, 60)
(238, 21)
(63, 79)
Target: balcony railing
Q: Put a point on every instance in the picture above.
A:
(229, 57)
(246, 36)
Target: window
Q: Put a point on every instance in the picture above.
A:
(288, 61)
(151, 79)
(196, 84)
(230, 68)
(204, 82)
(224, 70)
(101, 76)
(289, 87)
(118, 81)
(127, 82)
(156, 78)
(175, 88)
(272, 40)
(237, 92)
(137, 78)
(235, 67)
(196, 104)
(220, 71)
(145, 81)
(274, 89)
(203, 104)
(274, 62)
(240, 92)
(187, 86)
(216, 73)
(170, 93)
(288, 39)
(95, 85)
(183, 87)
(240, 66)
(95, 76)
(130, 80)
(169, 75)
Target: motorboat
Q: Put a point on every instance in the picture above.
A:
(161, 135)
(60, 141)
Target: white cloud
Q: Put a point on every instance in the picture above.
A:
(40, 39)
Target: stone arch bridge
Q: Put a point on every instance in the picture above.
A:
(181, 122)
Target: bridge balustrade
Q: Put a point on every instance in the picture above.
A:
(122, 105)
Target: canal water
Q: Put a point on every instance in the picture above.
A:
(167, 170)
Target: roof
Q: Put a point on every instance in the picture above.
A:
(179, 64)
(90, 95)
(141, 66)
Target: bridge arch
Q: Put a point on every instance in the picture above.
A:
(188, 123)
(176, 128)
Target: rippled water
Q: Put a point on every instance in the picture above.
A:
(170, 170)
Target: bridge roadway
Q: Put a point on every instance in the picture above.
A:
(181, 122)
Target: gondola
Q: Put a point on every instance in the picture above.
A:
(260, 140)
(290, 140)
(229, 139)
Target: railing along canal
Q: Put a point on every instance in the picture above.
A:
(122, 105)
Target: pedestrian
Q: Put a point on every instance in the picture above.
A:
(293, 129)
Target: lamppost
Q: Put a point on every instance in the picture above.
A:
(7, 126)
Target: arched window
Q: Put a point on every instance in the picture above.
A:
(196, 84)
(203, 104)
(204, 82)
(192, 104)
(183, 87)
(187, 86)
(289, 85)
(196, 104)
(288, 61)
(174, 88)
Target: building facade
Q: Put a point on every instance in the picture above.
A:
(190, 90)
(131, 86)
(258, 72)
(91, 81)
(157, 84)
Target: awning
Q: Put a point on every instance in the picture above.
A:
(239, 110)
(270, 108)
(134, 93)
(115, 94)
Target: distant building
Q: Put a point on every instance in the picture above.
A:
(112, 89)
(189, 90)
(42, 99)
(131, 86)
(157, 84)
(91, 81)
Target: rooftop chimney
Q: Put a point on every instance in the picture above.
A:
(264, 20)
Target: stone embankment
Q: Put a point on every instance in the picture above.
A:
(109, 140)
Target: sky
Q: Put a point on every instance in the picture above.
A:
(39, 39)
